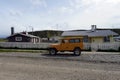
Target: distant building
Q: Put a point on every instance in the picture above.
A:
(117, 39)
(23, 37)
(46, 33)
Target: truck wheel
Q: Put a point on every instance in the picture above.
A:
(77, 52)
(52, 51)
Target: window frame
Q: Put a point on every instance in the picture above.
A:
(18, 38)
(106, 39)
(75, 40)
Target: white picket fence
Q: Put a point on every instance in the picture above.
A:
(87, 46)
(102, 46)
(23, 45)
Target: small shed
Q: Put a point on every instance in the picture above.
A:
(23, 37)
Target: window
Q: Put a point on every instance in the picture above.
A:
(107, 39)
(74, 40)
(77, 40)
(85, 39)
(18, 38)
(64, 41)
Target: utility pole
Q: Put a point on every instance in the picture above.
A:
(31, 29)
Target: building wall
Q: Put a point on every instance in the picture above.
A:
(35, 40)
(101, 39)
(24, 38)
(97, 40)
(111, 39)
(93, 39)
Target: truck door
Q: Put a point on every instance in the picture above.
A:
(64, 45)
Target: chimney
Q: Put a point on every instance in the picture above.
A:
(12, 30)
(93, 28)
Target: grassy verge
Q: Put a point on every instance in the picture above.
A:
(3, 40)
(23, 50)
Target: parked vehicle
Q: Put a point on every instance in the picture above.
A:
(117, 39)
(67, 44)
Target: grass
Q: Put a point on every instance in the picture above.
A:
(3, 40)
(22, 50)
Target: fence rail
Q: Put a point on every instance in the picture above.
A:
(87, 46)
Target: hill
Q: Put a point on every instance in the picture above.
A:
(117, 30)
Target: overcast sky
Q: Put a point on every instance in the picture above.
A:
(58, 14)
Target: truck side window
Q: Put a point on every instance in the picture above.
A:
(72, 41)
(77, 40)
(64, 41)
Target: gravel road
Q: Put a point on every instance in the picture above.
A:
(20, 68)
(106, 57)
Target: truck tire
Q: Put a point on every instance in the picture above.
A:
(77, 51)
(52, 51)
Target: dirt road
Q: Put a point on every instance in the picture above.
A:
(16, 68)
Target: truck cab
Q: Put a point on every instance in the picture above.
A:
(67, 44)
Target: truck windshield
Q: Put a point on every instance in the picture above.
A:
(63, 41)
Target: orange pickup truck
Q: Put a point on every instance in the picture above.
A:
(67, 44)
